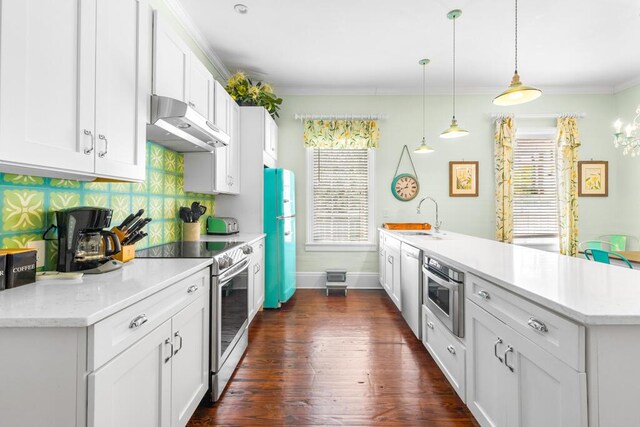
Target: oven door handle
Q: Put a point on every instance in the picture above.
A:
(227, 276)
(451, 285)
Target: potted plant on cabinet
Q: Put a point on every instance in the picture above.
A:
(246, 93)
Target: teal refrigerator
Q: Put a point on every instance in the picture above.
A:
(280, 245)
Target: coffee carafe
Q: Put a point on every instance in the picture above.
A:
(83, 243)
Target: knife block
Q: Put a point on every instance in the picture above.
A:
(190, 231)
(127, 252)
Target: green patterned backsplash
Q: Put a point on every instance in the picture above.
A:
(28, 202)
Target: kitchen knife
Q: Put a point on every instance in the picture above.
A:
(140, 236)
(135, 218)
(138, 225)
(126, 221)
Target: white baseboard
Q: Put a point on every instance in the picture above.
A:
(355, 280)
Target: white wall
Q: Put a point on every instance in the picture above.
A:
(473, 216)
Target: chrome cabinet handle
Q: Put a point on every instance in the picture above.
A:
(106, 145)
(192, 105)
(191, 289)
(390, 259)
(261, 245)
(256, 268)
(451, 349)
(495, 349)
(484, 295)
(430, 325)
(137, 321)
(88, 151)
(286, 233)
(537, 325)
(177, 335)
(168, 341)
(509, 350)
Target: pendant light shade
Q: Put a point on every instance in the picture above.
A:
(454, 131)
(424, 148)
(517, 93)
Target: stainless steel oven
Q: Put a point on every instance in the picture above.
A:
(443, 289)
(229, 321)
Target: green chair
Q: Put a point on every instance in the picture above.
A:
(594, 244)
(604, 257)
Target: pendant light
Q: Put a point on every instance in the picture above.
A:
(454, 130)
(517, 93)
(424, 148)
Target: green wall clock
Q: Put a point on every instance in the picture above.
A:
(405, 186)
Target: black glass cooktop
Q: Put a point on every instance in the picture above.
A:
(187, 250)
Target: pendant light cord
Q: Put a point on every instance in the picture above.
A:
(424, 111)
(516, 37)
(454, 68)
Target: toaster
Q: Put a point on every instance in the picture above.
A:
(222, 226)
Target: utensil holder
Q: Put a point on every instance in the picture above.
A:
(190, 231)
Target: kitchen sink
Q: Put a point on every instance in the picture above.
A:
(426, 234)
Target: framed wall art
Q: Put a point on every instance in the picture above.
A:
(463, 179)
(593, 178)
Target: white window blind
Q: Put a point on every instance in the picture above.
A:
(341, 187)
(535, 189)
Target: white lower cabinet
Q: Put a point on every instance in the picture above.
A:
(159, 380)
(134, 389)
(514, 382)
(381, 258)
(392, 270)
(256, 279)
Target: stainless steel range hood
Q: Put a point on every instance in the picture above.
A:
(179, 127)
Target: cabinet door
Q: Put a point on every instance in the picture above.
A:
(381, 259)
(47, 81)
(233, 153)
(221, 108)
(171, 62)
(134, 389)
(201, 89)
(271, 136)
(220, 172)
(121, 90)
(389, 272)
(396, 288)
(258, 276)
(543, 391)
(190, 362)
(487, 390)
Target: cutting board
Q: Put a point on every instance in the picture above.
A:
(407, 225)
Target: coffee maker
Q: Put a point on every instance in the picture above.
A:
(83, 244)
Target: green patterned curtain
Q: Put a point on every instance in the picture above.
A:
(567, 170)
(504, 138)
(341, 134)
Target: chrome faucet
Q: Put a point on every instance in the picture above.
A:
(437, 225)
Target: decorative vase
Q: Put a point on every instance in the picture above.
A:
(190, 231)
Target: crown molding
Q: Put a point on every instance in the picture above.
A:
(626, 85)
(434, 91)
(183, 17)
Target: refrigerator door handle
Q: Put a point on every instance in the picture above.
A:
(285, 216)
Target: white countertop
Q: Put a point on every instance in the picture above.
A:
(247, 238)
(94, 297)
(588, 292)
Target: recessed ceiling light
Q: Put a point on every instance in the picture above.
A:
(241, 8)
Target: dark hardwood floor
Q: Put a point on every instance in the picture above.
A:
(336, 361)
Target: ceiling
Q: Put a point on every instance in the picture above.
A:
(373, 46)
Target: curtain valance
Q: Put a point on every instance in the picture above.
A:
(341, 134)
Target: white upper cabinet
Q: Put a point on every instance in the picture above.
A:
(271, 138)
(47, 73)
(121, 89)
(234, 151)
(171, 62)
(222, 106)
(66, 68)
(201, 89)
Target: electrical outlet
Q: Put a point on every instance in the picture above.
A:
(38, 245)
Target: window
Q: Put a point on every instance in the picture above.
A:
(535, 193)
(340, 214)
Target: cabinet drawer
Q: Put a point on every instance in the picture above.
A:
(559, 336)
(446, 350)
(116, 333)
(392, 243)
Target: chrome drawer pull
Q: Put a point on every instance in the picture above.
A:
(537, 325)
(168, 341)
(106, 146)
(484, 295)
(430, 325)
(509, 350)
(495, 349)
(451, 349)
(138, 321)
(390, 259)
(191, 289)
(88, 151)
